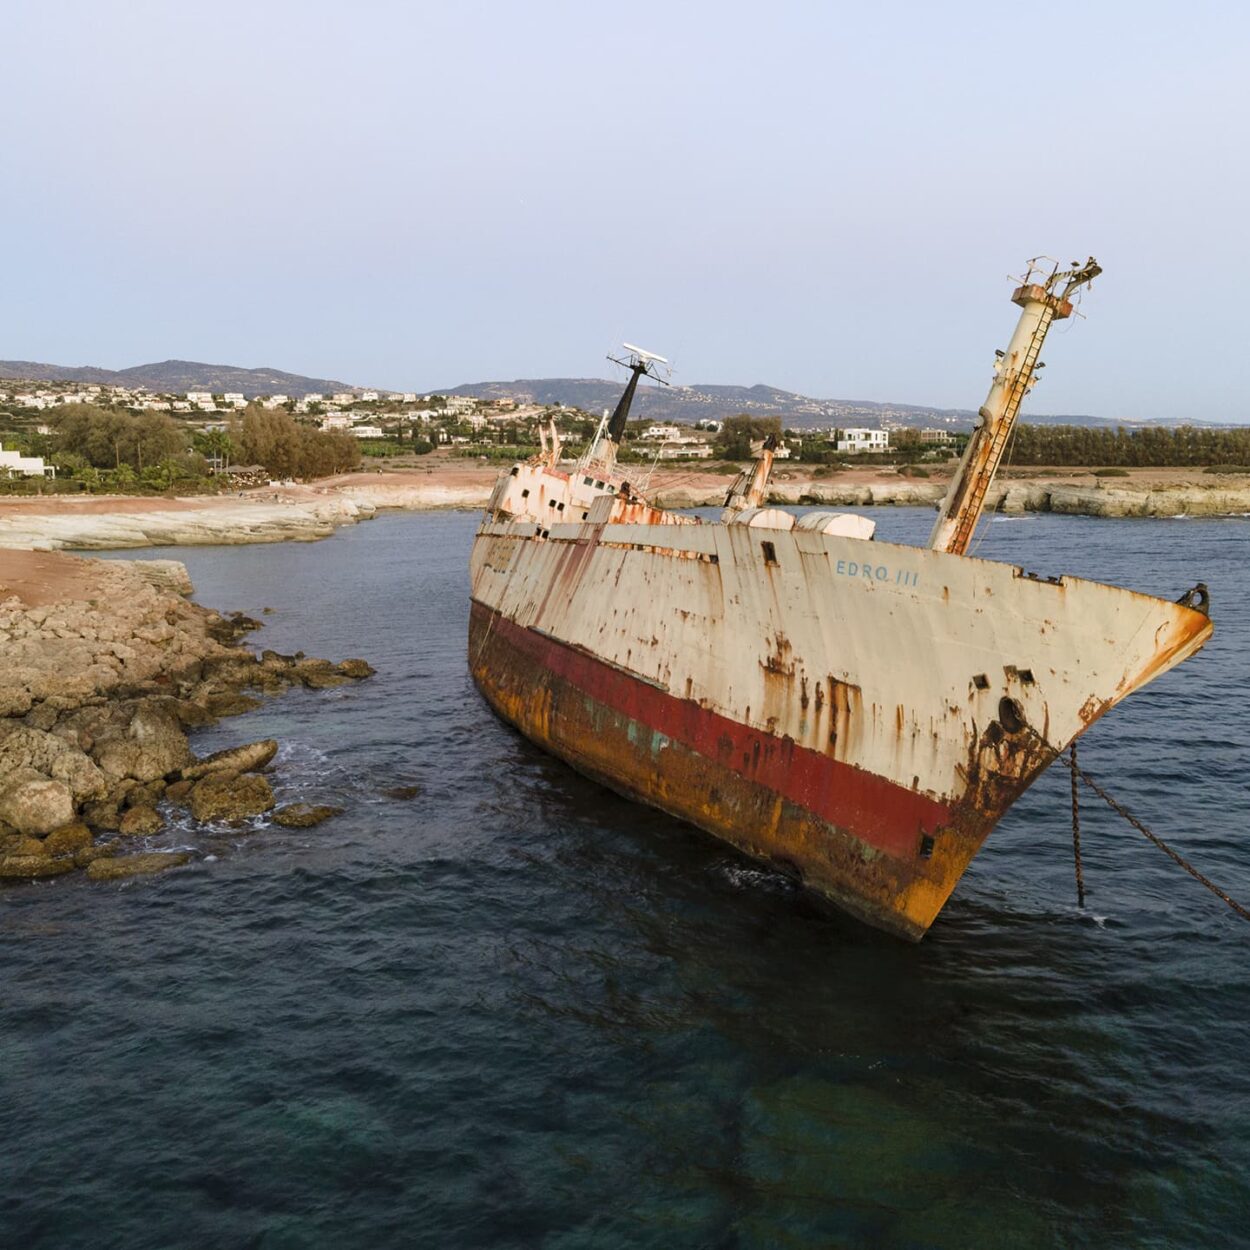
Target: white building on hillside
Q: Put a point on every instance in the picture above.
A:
(336, 421)
(856, 441)
(199, 397)
(235, 400)
(667, 432)
(367, 431)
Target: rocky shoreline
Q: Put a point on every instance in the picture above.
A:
(107, 666)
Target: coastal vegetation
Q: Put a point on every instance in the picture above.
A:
(94, 448)
(1148, 447)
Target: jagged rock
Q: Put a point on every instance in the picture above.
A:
(168, 575)
(102, 816)
(15, 698)
(108, 869)
(23, 866)
(145, 796)
(228, 704)
(42, 717)
(304, 815)
(34, 803)
(153, 746)
(24, 747)
(68, 839)
(230, 797)
(137, 821)
(319, 674)
(242, 759)
(177, 791)
(356, 669)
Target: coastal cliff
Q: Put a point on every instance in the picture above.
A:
(107, 666)
(304, 513)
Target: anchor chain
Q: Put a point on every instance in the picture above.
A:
(1120, 809)
(1076, 828)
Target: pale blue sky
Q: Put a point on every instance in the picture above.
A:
(824, 197)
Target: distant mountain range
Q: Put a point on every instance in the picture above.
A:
(692, 403)
(176, 376)
(654, 403)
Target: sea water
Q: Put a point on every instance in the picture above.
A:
(517, 1010)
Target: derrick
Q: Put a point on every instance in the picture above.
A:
(1043, 300)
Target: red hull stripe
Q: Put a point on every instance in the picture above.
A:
(884, 815)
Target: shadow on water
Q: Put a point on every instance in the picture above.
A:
(518, 1010)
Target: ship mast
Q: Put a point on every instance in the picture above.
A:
(1043, 299)
(603, 450)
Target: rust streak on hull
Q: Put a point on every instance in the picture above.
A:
(772, 799)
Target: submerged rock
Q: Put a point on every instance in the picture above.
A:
(304, 815)
(404, 792)
(18, 867)
(135, 865)
(230, 797)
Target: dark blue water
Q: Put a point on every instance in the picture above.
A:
(519, 1011)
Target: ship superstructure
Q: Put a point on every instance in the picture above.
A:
(857, 713)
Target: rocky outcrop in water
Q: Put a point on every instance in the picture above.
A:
(106, 667)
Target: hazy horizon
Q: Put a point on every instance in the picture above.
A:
(819, 198)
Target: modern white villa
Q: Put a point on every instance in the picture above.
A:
(14, 464)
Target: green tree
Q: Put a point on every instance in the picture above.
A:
(738, 433)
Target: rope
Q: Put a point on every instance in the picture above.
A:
(1076, 832)
(1121, 810)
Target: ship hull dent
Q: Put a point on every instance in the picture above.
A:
(887, 854)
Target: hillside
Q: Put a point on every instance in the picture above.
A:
(653, 403)
(691, 403)
(176, 376)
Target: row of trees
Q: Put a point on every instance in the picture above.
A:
(106, 446)
(1149, 447)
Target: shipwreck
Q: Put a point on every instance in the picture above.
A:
(859, 714)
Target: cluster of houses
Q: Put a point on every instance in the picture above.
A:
(679, 442)
(371, 414)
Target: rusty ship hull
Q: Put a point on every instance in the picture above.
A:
(859, 714)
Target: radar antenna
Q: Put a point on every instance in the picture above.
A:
(639, 362)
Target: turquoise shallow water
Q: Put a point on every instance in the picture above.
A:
(519, 1011)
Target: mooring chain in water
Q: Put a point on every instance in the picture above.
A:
(1077, 771)
(1076, 830)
